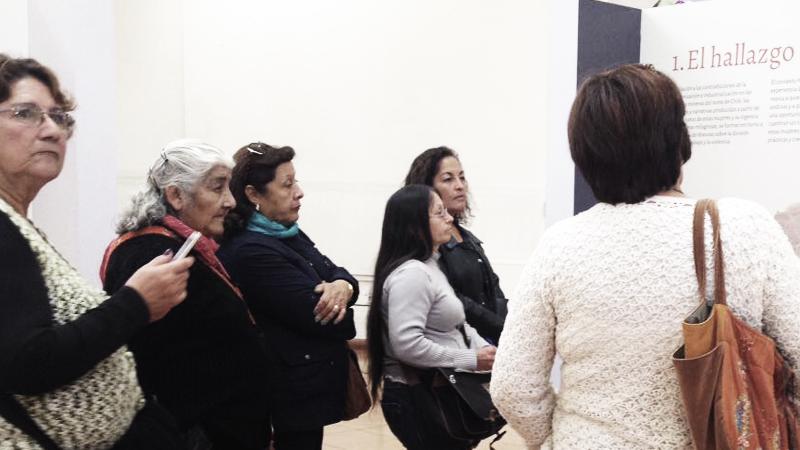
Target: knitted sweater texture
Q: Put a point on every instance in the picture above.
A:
(96, 409)
(608, 290)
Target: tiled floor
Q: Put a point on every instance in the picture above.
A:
(370, 432)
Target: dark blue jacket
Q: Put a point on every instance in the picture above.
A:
(308, 360)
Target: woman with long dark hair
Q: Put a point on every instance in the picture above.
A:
(415, 321)
(463, 260)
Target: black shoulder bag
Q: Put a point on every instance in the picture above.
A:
(459, 402)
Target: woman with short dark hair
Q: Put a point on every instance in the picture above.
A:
(627, 135)
(609, 288)
(462, 259)
(299, 298)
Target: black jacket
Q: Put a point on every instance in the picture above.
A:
(469, 272)
(309, 360)
(205, 360)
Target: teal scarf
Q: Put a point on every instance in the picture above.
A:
(260, 224)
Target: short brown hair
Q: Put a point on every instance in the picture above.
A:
(627, 135)
(15, 69)
(255, 166)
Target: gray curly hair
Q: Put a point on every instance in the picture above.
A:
(184, 164)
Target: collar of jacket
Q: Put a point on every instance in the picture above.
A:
(466, 236)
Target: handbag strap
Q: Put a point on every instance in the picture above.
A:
(698, 232)
(14, 413)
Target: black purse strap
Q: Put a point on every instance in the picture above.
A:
(463, 332)
(14, 413)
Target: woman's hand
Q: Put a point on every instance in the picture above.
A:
(162, 284)
(486, 357)
(332, 303)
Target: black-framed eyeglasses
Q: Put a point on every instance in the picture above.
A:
(33, 115)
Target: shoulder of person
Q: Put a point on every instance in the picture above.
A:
(250, 240)
(746, 216)
(469, 235)
(751, 222)
(304, 237)
(7, 227)
(411, 270)
(148, 244)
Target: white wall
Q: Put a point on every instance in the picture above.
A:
(358, 88)
(150, 112)
(14, 32)
(562, 70)
(77, 40)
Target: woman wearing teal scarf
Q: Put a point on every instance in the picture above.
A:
(260, 224)
(299, 298)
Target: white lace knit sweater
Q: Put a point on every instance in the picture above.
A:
(608, 290)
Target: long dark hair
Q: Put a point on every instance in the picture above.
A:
(406, 235)
(255, 166)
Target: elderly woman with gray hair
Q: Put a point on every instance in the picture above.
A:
(205, 360)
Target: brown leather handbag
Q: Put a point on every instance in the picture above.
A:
(736, 387)
(357, 400)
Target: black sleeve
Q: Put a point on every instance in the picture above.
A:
(340, 273)
(132, 255)
(488, 323)
(274, 287)
(500, 301)
(37, 355)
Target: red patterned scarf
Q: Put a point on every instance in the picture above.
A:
(206, 248)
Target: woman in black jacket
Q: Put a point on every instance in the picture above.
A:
(300, 299)
(462, 259)
(205, 361)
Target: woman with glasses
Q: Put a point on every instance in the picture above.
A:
(415, 320)
(205, 360)
(462, 259)
(66, 377)
(299, 297)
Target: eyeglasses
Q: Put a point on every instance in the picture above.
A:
(440, 214)
(33, 116)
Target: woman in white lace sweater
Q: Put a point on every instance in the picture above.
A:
(609, 288)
